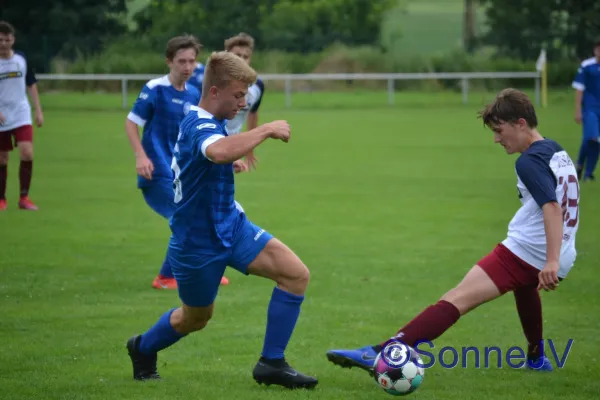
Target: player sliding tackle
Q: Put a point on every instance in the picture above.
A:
(538, 252)
(209, 232)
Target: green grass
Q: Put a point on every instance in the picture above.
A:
(388, 206)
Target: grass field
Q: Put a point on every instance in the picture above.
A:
(388, 206)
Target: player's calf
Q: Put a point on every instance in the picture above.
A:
(278, 263)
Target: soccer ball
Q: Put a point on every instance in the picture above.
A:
(398, 369)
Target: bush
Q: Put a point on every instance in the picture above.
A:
(136, 56)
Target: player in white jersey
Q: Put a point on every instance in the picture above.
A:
(538, 252)
(242, 45)
(16, 77)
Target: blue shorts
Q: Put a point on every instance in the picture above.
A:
(199, 275)
(159, 196)
(591, 124)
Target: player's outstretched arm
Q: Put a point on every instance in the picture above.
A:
(553, 225)
(231, 148)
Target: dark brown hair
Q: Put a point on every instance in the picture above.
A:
(6, 28)
(242, 39)
(509, 106)
(181, 42)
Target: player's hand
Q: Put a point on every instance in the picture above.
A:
(251, 161)
(2, 119)
(279, 130)
(144, 166)
(578, 117)
(239, 166)
(549, 276)
(39, 118)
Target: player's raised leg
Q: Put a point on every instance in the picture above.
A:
(475, 289)
(197, 283)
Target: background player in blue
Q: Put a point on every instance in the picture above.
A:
(159, 109)
(539, 249)
(587, 113)
(211, 232)
(242, 45)
(197, 77)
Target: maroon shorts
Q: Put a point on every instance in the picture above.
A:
(21, 134)
(507, 271)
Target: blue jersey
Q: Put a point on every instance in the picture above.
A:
(197, 77)
(588, 81)
(159, 109)
(206, 217)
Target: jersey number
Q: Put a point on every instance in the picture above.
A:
(176, 181)
(570, 200)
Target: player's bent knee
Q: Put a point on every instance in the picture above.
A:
(26, 151)
(190, 319)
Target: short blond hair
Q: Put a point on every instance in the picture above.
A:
(224, 67)
(241, 39)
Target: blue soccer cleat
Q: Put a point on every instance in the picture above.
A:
(540, 364)
(363, 358)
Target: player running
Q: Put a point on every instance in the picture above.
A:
(16, 78)
(209, 232)
(587, 113)
(159, 109)
(538, 252)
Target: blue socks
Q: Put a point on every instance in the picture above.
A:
(282, 315)
(160, 336)
(165, 270)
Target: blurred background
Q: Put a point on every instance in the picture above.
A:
(311, 36)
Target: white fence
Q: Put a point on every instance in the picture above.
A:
(464, 77)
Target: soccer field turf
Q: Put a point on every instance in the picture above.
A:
(389, 207)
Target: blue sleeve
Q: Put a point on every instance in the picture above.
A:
(579, 81)
(143, 108)
(202, 134)
(537, 177)
(261, 86)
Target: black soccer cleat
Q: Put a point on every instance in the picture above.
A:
(279, 372)
(144, 366)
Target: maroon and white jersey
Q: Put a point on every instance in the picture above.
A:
(15, 76)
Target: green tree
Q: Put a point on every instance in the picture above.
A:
(311, 25)
(65, 27)
(520, 28)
